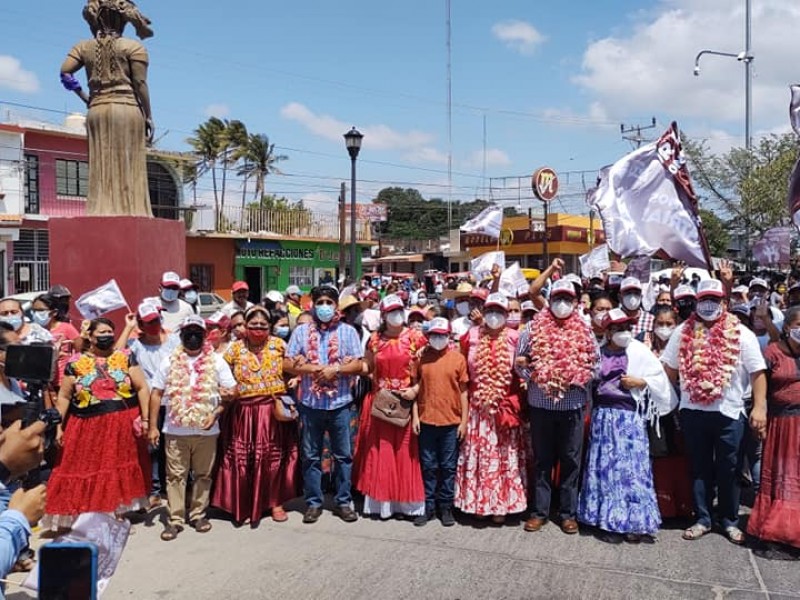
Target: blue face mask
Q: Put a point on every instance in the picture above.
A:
(190, 297)
(13, 320)
(169, 295)
(282, 332)
(325, 312)
(42, 317)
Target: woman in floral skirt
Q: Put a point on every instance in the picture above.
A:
(491, 477)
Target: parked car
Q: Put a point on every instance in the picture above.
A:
(209, 303)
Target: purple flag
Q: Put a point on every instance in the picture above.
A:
(774, 247)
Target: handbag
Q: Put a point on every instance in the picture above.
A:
(284, 409)
(390, 407)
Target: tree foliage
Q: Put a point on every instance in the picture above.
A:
(717, 233)
(747, 191)
(411, 216)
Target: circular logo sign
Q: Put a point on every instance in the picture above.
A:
(545, 184)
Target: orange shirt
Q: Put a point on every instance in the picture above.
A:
(440, 378)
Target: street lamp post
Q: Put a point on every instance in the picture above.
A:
(352, 140)
(747, 58)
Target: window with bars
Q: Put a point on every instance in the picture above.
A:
(72, 178)
(202, 276)
(31, 184)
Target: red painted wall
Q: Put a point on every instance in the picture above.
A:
(49, 146)
(220, 253)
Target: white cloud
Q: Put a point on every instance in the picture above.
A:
(14, 77)
(218, 110)
(650, 70)
(378, 137)
(595, 115)
(426, 154)
(518, 35)
(494, 158)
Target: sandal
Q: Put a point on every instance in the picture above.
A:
(279, 515)
(202, 525)
(633, 538)
(696, 531)
(734, 535)
(170, 532)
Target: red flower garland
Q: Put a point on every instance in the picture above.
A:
(323, 388)
(493, 371)
(708, 357)
(562, 352)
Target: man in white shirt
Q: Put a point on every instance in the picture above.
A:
(174, 310)
(195, 381)
(239, 292)
(714, 375)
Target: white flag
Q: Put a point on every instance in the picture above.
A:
(647, 205)
(595, 262)
(481, 267)
(488, 222)
(100, 301)
(513, 282)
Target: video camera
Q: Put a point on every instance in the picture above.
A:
(35, 365)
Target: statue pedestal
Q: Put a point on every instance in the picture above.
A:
(86, 252)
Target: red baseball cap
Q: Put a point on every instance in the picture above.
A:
(238, 286)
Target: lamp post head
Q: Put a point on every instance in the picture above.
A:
(697, 70)
(352, 140)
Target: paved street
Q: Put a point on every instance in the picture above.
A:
(371, 559)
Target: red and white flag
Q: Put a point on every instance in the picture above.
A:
(648, 206)
(96, 303)
(488, 222)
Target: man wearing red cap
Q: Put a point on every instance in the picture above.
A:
(239, 292)
(715, 358)
(175, 309)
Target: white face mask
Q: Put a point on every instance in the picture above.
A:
(422, 301)
(462, 308)
(599, 316)
(438, 341)
(622, 338)
(169, 295)
(794, 335)
(709, 310)
(664, 332)
(631, 301)
(561, 309)
(494, 320)
(395, 318)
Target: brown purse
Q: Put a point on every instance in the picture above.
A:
(390, 407)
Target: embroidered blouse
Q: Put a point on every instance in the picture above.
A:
(98, 378)
(257, 374)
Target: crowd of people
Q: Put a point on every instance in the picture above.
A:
(607, 403)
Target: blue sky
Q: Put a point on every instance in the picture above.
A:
(553, 81)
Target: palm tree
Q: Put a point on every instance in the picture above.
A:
(259, 160)
(233, 136)
(206, 145)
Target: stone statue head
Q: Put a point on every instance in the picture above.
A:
(111, 16)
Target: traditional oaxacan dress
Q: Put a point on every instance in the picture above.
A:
(617, 494)
(491, 475)
(100, 468)
(776, 513)
(386, 466)
(260, 465)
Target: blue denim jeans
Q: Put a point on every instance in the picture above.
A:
(712, 443)
(438, 455)
(315, 423)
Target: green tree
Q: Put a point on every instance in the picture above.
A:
(257, 160)
(748, 188)
(205, 143)
(717, 233)
(233, 136)
(279, 215)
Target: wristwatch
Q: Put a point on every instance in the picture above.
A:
(5, 474)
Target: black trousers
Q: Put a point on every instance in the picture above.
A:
(557, 435)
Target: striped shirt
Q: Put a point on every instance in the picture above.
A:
(644, 325)
(349, 347)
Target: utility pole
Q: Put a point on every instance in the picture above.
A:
(633, 133)
(342, 229)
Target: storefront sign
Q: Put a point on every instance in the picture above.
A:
(545, 184)
(526, 236)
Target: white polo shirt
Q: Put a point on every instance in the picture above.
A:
(750, 361)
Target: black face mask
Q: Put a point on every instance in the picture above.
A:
(685, 309)
(104, 342)
(192, 340)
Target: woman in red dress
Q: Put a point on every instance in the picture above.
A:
(101, 397)
(490, 476)
(776, 513)
(386, 466)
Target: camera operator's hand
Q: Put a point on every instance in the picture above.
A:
(153, 435)
(30, 503)
(22, 449)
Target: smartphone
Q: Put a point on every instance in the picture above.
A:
(68, 571)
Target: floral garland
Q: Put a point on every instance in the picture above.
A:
(493, 371)
(190, 405)
(563, 353)
(708, 357)
(323, 388)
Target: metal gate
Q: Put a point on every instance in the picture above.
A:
(31, 266)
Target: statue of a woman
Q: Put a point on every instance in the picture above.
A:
(119, 122)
